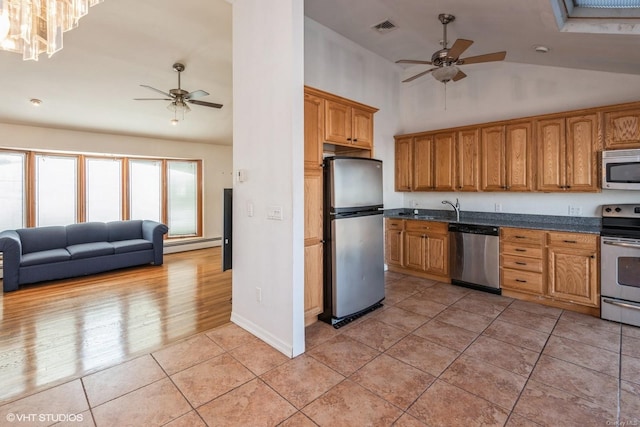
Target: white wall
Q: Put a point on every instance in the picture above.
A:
(268, 144)
(216, 159)
(337, 65)
(497, 91)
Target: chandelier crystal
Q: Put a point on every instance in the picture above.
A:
(32, 27)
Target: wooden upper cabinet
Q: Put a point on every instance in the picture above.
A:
(506, 157)
(423, 163)
(348, 125)
(567, 153)
(622, 128)
(582, 153)
(467, 160)
(519, 156)
(404, 164)
(313, 130)
(493, 159)
(444, 151)
(362, 128)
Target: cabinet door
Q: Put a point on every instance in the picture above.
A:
(582, 169)
(518, 154)
(313, 130)
(444, 149)
(423, 163)
(362, 128)
(622, 129)
(414, 244)
(337, 128)
(468, 162)
(573, 275)
(493, 159)
(551, 154)
(394, 247)
(404, 164)
(437, 254)
(312, 206)
(313, 304)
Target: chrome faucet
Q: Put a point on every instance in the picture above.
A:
(455, 207)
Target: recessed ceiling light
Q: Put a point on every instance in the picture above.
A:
(541, 49)
(35, 102)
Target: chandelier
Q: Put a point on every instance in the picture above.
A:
(32, 27)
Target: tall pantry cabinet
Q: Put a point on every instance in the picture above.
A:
(332, 126)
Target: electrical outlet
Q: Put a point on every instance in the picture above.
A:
(575, 210)
(258, 294)
(274, 212)
(498, 207)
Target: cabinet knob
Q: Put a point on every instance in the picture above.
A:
(348, 139)
(355, 139)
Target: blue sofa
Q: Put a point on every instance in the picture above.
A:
(46, 253)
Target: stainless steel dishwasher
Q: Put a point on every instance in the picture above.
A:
(474, 256)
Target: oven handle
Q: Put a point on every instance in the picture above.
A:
(622, 304)
(624, 245)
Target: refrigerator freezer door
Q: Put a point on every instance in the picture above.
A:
(355, 182)
(357, 264)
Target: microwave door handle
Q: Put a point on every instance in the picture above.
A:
(622, 304)
(624, 245)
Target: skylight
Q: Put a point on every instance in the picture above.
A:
(607, 4)
(598, 16)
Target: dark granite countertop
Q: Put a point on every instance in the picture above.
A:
(540, 222)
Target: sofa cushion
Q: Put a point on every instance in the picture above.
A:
(42, 238)
(45, 257)
(88, 250)
(122, 246)
(124, 230)
(86, 232)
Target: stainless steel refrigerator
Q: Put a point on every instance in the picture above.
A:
(354, 240)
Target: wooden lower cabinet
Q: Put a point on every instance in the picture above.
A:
(573, 268)
(559, 269)
(313, 302)
(418, 248)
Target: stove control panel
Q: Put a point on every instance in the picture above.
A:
(623, 211)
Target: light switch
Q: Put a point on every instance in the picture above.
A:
(249, 209)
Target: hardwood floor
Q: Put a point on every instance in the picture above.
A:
(54, 331)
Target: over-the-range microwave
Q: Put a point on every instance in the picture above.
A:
(621, 169)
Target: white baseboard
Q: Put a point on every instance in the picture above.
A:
(171, 247)
(265, 336)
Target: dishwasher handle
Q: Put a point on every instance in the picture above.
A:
(488, 230)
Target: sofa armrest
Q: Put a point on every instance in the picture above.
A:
(11, 249)
(153, 232)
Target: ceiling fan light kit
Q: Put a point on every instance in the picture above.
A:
(32, 27)
(446, 61)
(179, 97)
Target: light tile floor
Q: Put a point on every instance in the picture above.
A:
(435, 355)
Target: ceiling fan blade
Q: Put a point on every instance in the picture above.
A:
(489, 57)
(204, 103)
(158, 90)
(152, 99)
(459, 47)
(196, 94)
(413, 61)
(459, 76)
(418, 75)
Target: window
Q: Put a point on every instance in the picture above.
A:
(42, 189)
(56, 190)
(145, 189)
(103, 179)
(183, 196)
(607, 4)
(607, 10)
(12, 190)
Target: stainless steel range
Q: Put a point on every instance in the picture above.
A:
(620, 263)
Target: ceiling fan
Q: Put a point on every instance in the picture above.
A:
(447, 60)
(180, 97)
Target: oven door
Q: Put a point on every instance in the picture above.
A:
(620, 279)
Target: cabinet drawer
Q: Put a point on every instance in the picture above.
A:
(427, 226)
(572, 240)
(509, 248)
(525, 281)
(519, 235)
(395, 224)
(521, 263)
